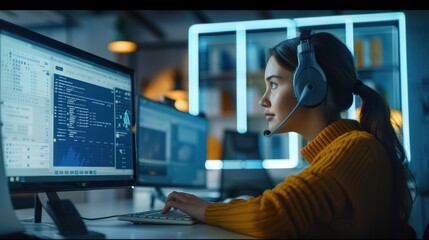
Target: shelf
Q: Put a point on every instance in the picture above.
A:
(379, 69)
(232, 116)
(221, 76)
(227, 75)
(222, 116)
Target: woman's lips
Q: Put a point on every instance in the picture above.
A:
(269, 116)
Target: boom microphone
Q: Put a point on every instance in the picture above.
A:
(307, 89)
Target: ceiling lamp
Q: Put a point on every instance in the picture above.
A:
(122, 46)
(122, 43)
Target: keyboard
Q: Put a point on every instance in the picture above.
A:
(174, 216)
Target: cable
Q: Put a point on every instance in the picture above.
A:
(98, 218)
(30, 219)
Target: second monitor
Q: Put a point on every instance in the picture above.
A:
(171, 146)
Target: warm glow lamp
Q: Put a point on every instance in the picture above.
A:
(180, 98)
(178, 93)
(168, 85)
(122, 44)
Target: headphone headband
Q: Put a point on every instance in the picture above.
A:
(305, 34)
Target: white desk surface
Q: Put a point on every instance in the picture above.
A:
(115, 229)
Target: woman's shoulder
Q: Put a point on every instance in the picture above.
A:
(342, 139)
(357, 144)
(357, 138)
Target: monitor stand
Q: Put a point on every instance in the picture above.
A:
(157, 195)
(64, 214)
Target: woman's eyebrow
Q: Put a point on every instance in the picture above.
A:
(273, 76)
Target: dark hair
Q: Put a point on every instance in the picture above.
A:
(339, 67)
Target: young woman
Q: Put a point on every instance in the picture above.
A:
(356, 184)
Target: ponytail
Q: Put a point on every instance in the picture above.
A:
(375, 119)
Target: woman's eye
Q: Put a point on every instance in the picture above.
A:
(273, 85)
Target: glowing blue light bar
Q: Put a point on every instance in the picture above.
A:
(350, 44)
(193, 72)
(241, 83)
(214, 164)
(251, 164)
(276, 163)
(318, 21)
(341, 19)
(377, 17)
(404, 83)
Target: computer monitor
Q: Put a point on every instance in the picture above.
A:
(242, 172)
(66, 115)
(171, 146)
(241, 146)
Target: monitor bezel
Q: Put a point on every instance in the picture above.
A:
(79, 182)
(166, 184)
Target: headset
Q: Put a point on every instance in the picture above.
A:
(309, 80)
(308, 72)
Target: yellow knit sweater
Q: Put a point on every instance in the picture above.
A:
(345, 192)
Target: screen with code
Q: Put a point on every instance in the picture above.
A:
(66, 115)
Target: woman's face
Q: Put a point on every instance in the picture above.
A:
(278, 99)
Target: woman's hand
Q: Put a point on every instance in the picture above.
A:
(188, 203)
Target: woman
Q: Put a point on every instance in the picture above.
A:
(356, 183)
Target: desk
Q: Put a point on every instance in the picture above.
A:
(114, 229)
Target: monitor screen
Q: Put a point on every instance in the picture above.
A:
(242, 170)
(172, 146)
(240, 146)
(66, 115)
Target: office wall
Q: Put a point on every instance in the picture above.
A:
(91, 34)
(151, 62)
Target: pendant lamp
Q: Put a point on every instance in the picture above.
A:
(122, 42)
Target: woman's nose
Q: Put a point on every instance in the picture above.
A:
(264, 101)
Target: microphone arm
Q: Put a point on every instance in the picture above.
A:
(305, 92)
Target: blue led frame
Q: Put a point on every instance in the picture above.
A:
(291, 25)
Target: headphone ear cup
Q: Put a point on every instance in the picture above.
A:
(313, 76)
(308, 72)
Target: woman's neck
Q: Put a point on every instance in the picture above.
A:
(316, 124)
